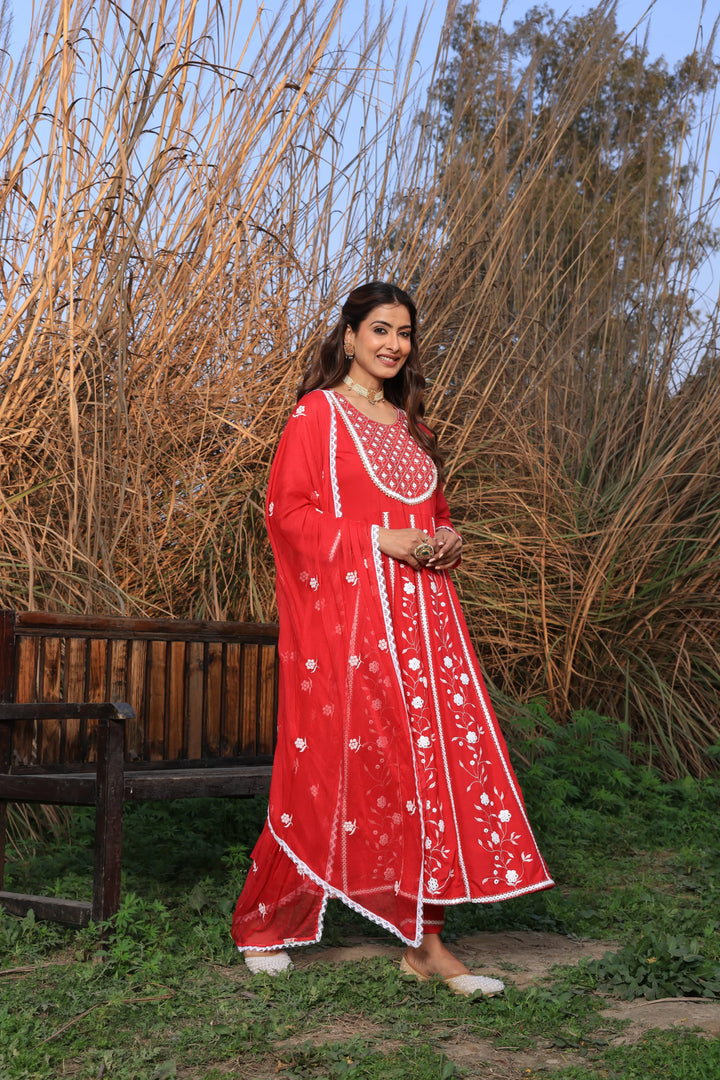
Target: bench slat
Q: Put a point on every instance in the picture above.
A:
(195, 680)
(75, 690)
(44, 624)
(135, 695)
(186, 783)
(213, 700)
(65, 789)
(155, 723)
(71, 912)
(175, 719)
(268, 704)
(48, 740)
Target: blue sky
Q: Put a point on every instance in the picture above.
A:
(672, 27)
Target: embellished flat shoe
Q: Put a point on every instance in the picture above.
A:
(459, 984)
(271, 963)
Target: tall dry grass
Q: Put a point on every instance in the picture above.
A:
(185, 201)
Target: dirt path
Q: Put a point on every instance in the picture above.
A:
(526, 958)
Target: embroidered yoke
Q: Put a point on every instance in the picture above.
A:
(391, 786)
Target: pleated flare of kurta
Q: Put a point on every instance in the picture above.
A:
(391, 783)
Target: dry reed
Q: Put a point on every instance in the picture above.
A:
(182, 210)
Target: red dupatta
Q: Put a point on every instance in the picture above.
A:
(344, 798)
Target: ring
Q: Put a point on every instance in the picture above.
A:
(424, 551)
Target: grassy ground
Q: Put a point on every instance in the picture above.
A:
(165, 995)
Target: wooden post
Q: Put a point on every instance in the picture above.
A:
(108, 819)
(7, 689)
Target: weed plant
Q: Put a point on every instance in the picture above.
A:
(164, 994)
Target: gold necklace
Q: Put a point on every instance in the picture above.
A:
(373, 396)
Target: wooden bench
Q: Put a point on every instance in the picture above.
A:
(95, 711)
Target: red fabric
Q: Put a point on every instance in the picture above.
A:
(391, 783)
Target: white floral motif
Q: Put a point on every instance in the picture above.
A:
(286, 820)
(417, 703)
(448, 661)
(350, 826)
(409, 588)
(314, 791)
(511, 877)
(464, 679)
(262, 908)
(495, 837)
(353, 661)
(354, 744)
(351, 577)
(271, 509)
(300, 411)
(458, 699)
(472, 737)
(414, 664)
(314, 583)
(504, 815)
(311, 665)
(301, 744)
(432, 885)
(382, 645)
(423, 742)
(410, 807)
(306, 685)
(327, 710)
(485, 798)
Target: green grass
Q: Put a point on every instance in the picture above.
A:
(165, 995)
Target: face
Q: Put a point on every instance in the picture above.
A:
(381, 343)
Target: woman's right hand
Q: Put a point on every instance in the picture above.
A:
(401, 543)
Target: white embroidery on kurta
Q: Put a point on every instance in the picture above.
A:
(392, 459)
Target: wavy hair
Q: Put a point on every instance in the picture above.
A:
(404, 390)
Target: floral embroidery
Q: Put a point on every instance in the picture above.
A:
(353, 661)
(351, 577)
(350, 826)
(271, 509)
(311, 665)
(286, 820)
(314, 583)
(301, 744)
(382, 645)
(299, 411)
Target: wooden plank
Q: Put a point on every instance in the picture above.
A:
(230, 738)
(196, 783)
(175, 736)
(7, 655)
(74, 689)
(48, 731)
(136, 696)
(265, 742)
(213, 700)
(71, 912)
(249, 699)
(155, 722)
(65, 789)
(194, 703)
(42, 623)
(97, 690)
(27, 651)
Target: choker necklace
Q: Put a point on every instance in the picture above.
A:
(373, 396)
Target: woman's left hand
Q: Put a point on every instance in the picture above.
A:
(448, 549)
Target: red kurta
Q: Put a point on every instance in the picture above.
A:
(391, 784)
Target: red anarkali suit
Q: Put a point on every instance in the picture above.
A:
(391, 783)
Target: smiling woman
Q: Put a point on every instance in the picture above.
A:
(391, 787)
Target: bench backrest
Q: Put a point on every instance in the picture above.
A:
(201, 691)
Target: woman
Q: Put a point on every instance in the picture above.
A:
(391, 785)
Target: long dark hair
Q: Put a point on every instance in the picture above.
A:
(404, 390)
